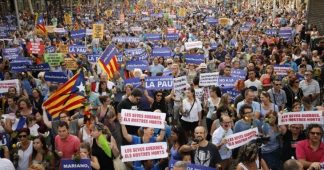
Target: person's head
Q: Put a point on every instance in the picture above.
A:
(226, 122)
(180, 165)
(296, 128)
(36, 93)
(178, 135)
(11, 101)
(39, 144)
(136, 95)
(248, 153)
(63, 130)
(269, 69)
(190, 93)
(200, 133)
(36, 166)
(227, 71)
(156, 60)
(307, 103)
(251, 74)
(249, 95)
(294, 82)
(292, 164)
(12, 91)
(24, 103)
(308, 75)
(97, 129)
(23, 134)
(265, 97)
(277, 84)
(64, 116)
(148, 132)
(215, 91)
(103, 86)
(128, 89)
(314, 133)
(185, 152)
(85, 148)
(89, 119)
(104, 100)
(227, 59)
(246, 112)
(272, 118)
(296, 107)
(175, 69)
(158, 96)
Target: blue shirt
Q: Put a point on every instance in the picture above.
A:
(154, 69)
(138, 140)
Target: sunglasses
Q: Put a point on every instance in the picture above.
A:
(315, 133)
(142, 79)
(22, 136)
(296, 81)
(278, 84)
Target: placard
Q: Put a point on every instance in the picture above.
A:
(58, 77)
(71, 64)
(159, 82)
(134, 51)
(92, 58)
(305, 117)
(53, 59)
(226, 82)
(98, 31)
(10, 53)
(142, 118)
(172, 36)
(35, 48)
(18, 67)
(161, 52)
(153, 37)
(50, 28)
(208, 79)
(133, 81)
(6, 84)
(78, 34)
(147, 151)
(69, 164)
(126, 39)
(192, 45)
(141, 64)
(281, 70)
(136, 29)
(39, 67)
(180, 83)
(194, 58)
(77, 49)
(190, 166)
(238, 139)
(238, 73)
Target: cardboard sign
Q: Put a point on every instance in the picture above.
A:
(143, 119)
(192, 45)
(159, 82)
(53, 59)
(145, 151)
(69, 164)
(306, 117)
(208, 79)
(194, 58)
(238, 139)
(58, 77)
(71, 64)
(281, 70)
(6, 84)
(98, 31)
(77, 49)
(35, 48)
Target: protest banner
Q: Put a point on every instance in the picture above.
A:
(10, 53)
(226, 82)
(281, 70)
(64, 49)
(77, 49)
(238, 139)
(192, 45)
(147, 151)
(71, 64)
(58, 77)
(271, 32)
(143, 119)
(212, 21)
(172, 36)
(208, 79)
(134, 51)
(35, 48)
(136, 29)
(78, 33)
(286, 33)
(190, 166)
(153, 37)
(69, 164)
(92, 58)
(126, 39)
(60, 30)
(50, 28)
(231, 91)
(98, 31)
(179, 83)
(22, 60)
(161, 52)
(224, 21)
(141, 64)
(39, 67)
(194, 58)
(50, 49)
(159, 82)
(305, 117)
(238, 73)
(133, 81)
(18, 67)
(53, 59)
(6, 84)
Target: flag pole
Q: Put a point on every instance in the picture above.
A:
(17, 14)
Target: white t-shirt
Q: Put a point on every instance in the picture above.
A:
(257, 83)
(193, 115)
(23, 162)
(6, 164)
(217, 137)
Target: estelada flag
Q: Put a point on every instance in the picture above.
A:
(69, 97)
(40, 25)
(108, 61)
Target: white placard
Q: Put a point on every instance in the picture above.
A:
(145, 151)
(238, 139)
(192, 45)
(208, 79)
(59, 30)
(306, 117)
(136, 29)
(142, 118)
(180, 83)
(5, 84)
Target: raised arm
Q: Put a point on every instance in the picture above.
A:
(127, 136)
(45, 119)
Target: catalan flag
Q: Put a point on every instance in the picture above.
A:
(108, 61)
(40, 25)
(69, 97)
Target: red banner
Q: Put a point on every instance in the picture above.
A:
(35, 48)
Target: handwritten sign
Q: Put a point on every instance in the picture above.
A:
(238, 139)
(98, 31)
(306, 117)
(159, 82)
(6, 84)
(208, 79)
(53, 59)
(142, 118)
(83, 164)
(35, 48)
(145, 151)
(71, 64)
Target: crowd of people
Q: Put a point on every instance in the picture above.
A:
(199, 120)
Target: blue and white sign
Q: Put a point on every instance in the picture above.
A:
(58, 77)
(212, 21)
(126, 39)
(77, 49)
(286, 33)
(18, 67)
(39, 67)
(92, 58)
(134, 51)
(190, 166)
(141, 64)
(10, 53)
(238, 73)
(159, 82)
(78, 34)
(153, 37)
(133, 81)
(162, 52)
(226, 82)
(272, 32)
(50, 49)
(69, 164)
(172, 37)
(194, 58)
(231, 91)
(22, 60)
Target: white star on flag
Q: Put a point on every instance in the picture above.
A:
(81, 87)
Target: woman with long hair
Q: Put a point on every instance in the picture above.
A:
(103, 89)
(293, 92)
(266, 105)
(267, 77)
(85, 153)
(41, 154)
(178, 138)
(37, 99)
(85, 130)
(248, 158)
(104, 146)
(212, 105)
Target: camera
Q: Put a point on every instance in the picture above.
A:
(262, 139)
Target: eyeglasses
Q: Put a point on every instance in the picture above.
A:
(22, 136)
(142, 79)
(315, 133)
(278, 84)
